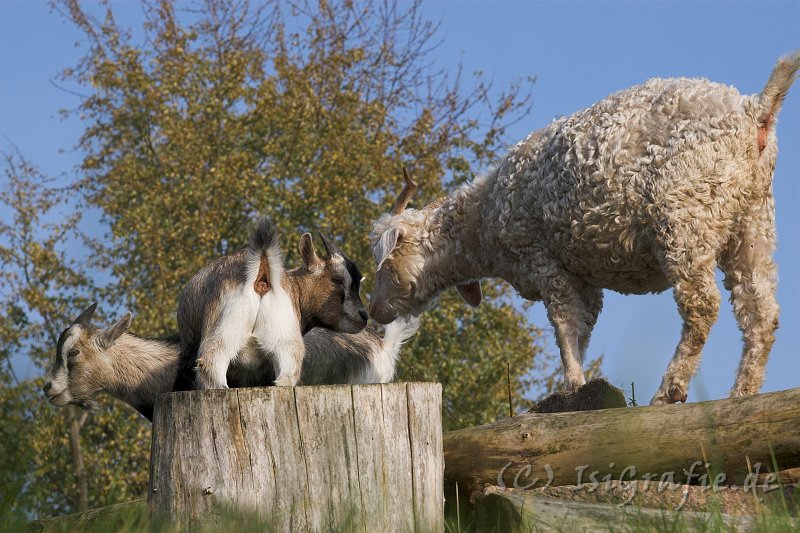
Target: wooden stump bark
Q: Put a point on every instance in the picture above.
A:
(365, 457)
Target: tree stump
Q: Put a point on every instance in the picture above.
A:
(364, 457)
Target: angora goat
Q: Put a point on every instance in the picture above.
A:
(651, 188)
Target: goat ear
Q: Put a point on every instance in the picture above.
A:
(470, 292)
(387, 243)
(307, 252)
(86, 316)
(113, 332)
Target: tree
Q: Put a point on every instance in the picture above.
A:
(233, 110)
(53, 461)
(38, 473)
(219, 111)
(308, 116)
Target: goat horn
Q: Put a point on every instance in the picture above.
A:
(408, 192)
(86, 316)
(330, 246)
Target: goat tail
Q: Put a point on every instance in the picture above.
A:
(263, 235)
(398, 332)
(771, 98)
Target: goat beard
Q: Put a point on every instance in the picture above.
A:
(90, 406)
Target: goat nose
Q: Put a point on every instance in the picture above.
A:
(47, 386)
(363, 314)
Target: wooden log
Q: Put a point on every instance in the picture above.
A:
(681, 497)
(365, 457)
(125, 516)
(731, 438)
(508, 510)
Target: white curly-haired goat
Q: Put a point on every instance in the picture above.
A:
(653, 187)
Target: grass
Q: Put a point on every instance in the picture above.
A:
(778, 514)
(134, 517)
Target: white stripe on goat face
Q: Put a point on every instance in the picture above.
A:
(337, 262)
(340, 269)
(59, 373)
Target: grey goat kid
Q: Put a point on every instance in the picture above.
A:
(90, 360)
(244, 307)
(135, 370)
(338, 358)
(651, 188)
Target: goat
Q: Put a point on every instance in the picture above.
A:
(90, 360)
(243, 307)
(652, 187)
(135, 370)
(340, 358)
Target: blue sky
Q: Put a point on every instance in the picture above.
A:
(579, 52)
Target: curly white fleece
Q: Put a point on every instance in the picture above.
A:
(651, 188)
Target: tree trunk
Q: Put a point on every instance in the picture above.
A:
(675, 443)
(76, 418)
(365, 457)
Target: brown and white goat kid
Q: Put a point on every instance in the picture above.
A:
(651, 188)
(135, 370)
(244, 307)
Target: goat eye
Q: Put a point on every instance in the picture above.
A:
(337, 280)
(72, 353)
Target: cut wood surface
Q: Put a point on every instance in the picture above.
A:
(364, 457)
(734, 437)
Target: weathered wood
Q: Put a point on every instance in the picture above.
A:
(358, 458)
(330, 455)
(505, 510)
(680, 497)
(658, 441)
(384, 441)
(426, 445)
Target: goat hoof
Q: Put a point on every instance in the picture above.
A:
(677, 394)
(572, 386)
(661, 398)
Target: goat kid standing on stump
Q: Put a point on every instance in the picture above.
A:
(650, 188)
(244, 307)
